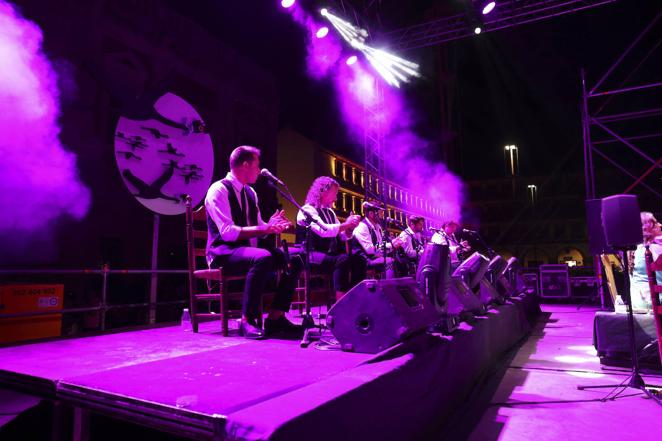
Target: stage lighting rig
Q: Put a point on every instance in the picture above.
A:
(393, 69)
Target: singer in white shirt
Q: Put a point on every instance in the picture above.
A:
(234, 223)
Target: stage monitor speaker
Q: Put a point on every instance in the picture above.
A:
(621, 221)
(377, 314)
(597, 243)
(462, 300)
(433, 275)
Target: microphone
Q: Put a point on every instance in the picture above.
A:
(267, 174)
(464, 230)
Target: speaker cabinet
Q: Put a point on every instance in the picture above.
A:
(554, 281)
(377, 314)
(597, 243)
(462, 300)
(433, 275)
(621, 221)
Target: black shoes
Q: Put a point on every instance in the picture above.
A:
(281, 325)
(249, 330)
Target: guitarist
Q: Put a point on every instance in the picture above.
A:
(412, 245)
(459, 249)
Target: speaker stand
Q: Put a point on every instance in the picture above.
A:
(635, 381)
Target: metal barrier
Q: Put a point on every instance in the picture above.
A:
(103, 305)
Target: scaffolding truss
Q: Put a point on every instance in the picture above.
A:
(506, 14)
(593, 118)
(373, 148)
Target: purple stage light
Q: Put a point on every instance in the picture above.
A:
(287, 3)
(322, 32)
(351, 60)
(488, 7)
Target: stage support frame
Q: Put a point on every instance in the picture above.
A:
(591, 119)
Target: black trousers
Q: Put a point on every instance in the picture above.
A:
(341, 266)
(259, 266)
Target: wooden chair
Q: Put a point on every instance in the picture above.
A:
(656, 292)
(324, 288)
(196, 240)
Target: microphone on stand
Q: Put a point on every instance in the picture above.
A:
(464, 230)
(267, 174)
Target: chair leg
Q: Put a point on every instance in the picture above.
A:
(193, 307)
(260, 318)
(331, 294)
(224, 307)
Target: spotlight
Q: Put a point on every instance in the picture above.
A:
(478, 30)
(351, 60)
(489, 6)
(392, 68)
(322, 32)
(287, 3)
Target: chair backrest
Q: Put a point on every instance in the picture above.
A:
(651, 267)
(196, 235)
(656, 289)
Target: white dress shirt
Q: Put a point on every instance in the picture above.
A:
(445, 239)
(362, 235)
(218, 207)
(407, 237)
(332, 227)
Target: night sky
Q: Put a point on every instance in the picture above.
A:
(515, 86)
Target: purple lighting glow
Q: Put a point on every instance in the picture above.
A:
(366, 102)
(39, 181)
(287, 3)
(488, 8)
(322, 32)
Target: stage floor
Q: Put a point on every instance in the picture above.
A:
(539, 386)
(206, 386)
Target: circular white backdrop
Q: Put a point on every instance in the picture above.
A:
(161, 159)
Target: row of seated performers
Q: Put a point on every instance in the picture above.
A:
(346, 250)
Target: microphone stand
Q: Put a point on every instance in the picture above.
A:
(490, 252)
(385, 234)
(308, 322)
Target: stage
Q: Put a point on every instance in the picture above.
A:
(204, 386)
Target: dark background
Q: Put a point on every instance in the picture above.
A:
(242, 65)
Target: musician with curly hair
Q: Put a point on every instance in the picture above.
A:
(327, 245)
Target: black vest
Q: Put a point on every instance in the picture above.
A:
(219, 247)
(327, 245)
(358, 248)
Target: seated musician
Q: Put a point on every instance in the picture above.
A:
(458, 249)
(327, 249)
(235, 223)
(412, 244)
(370, 241)
(639, 288)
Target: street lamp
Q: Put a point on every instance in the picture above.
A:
(512, 159)
(533, 193)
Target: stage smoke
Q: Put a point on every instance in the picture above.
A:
(366, 102)
(39, 180)
(322, 51)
